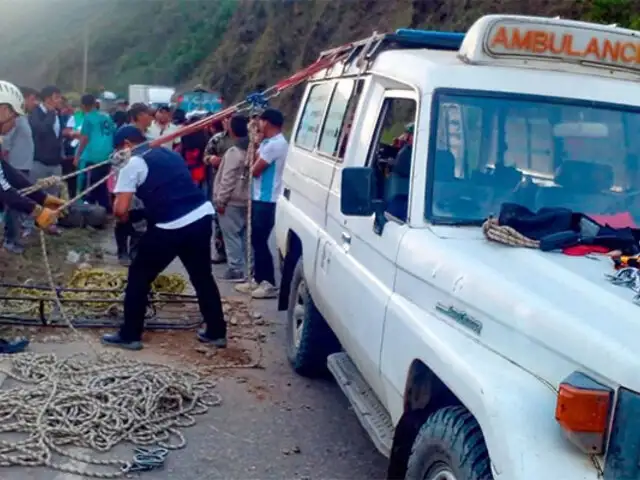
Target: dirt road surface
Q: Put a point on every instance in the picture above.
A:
(272, 424)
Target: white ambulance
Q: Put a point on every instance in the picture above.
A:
(466, 359)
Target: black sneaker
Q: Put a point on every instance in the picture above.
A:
(115, 340)
(216, 342)
(13, 247)
(16, 345)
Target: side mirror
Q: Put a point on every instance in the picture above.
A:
(357, 191)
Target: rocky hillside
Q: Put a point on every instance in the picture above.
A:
(231, 45)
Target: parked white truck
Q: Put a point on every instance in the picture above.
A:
(150, 94)
(466, 359)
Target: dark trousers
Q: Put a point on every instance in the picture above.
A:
(127, 238)
(13, 220)
(100, 194)
(263, 218)
(67, 168)
(158, 248)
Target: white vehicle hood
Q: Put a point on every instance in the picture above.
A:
(550, 312)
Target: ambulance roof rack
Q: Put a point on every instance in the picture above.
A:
(404, 38)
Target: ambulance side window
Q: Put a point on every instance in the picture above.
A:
(311, 119)
(337, 124)
(391, 153)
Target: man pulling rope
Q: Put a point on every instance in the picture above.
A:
(180, 225)
(42, 207)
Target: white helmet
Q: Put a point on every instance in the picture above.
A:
(11, 95)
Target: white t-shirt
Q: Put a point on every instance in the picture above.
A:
(267, 187)
(135, 172)
(71, 123)
(155, 130)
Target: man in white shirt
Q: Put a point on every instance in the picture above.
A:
(162, 126)
(266, 186)
(180, 223)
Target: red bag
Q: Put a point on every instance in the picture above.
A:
(194, 162)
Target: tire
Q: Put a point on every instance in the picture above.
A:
(309, 338)
(95, 216)
(73, 219)
(450, 441)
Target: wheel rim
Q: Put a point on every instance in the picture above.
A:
(298, 315)
(442, 473)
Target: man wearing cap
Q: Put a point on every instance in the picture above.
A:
(266, 185)
(179, 221)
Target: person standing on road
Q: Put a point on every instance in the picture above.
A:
(216, 147)
(39, 205)
(179, 225)
(31, 98)
(121, 115)
(267, 181)
(96, 145)
(17, 150)
(163, 126)
(231, 195)
(141, 117)
(46, 129)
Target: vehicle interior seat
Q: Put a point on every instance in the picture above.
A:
(581, 185)
(396, 189)
(506, 178)
(445, 166)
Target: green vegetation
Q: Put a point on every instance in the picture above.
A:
(229, 45)
(621, 12)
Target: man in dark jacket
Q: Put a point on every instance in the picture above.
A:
(47, 130)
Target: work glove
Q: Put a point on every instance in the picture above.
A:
(53, 202)
(45, 217)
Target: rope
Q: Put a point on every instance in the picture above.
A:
(250, 160)
(110, 283)
(102, 401)
(47, 182)
(506, 235)
(96, 403)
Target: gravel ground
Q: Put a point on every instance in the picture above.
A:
(272, 424)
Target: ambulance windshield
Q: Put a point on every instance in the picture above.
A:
(534, 151)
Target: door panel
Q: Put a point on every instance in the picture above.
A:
(361, 273)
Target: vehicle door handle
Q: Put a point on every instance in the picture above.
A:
(346, 238)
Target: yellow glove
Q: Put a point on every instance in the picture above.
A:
(53, 202)
(45, 217)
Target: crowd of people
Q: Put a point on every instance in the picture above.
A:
(168, 199)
